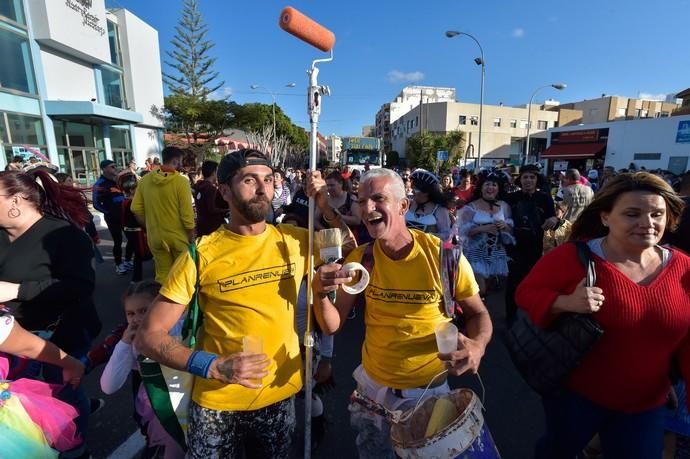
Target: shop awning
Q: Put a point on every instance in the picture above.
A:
(573, 150)
(86, 111)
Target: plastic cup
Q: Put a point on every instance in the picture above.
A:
(446, 337)
(253, 344)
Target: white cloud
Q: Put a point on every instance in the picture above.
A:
(396, 76)
(650, 96)
(518, 32)
(222, 93)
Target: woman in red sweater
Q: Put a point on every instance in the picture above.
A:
(641, 300)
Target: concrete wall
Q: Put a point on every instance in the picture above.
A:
(67, 79)
(142, 64)
(72, 27)
(146, 143)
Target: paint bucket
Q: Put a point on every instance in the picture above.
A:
(467, 437)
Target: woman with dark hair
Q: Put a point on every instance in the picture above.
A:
(485, 227)
(642, 302)
(428, 211)
(339, 198)
(46, 276)
(281, 194)
(533, 212)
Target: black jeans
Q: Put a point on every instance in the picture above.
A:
(115, 227)
(132, 250)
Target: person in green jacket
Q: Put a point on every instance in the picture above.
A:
(163, 205)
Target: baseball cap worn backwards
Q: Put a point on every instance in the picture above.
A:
(236, 160)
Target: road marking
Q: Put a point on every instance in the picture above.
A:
(130, 448)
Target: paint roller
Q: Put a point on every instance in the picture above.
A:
(306, 29)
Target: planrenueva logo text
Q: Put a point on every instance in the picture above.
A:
(257, 277)
(402, 296)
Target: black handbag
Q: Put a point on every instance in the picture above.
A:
(545, 358)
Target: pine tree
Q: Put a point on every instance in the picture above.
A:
(194, 73)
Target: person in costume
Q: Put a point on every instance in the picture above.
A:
(33, 423)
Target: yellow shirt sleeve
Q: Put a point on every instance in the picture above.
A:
(181, 281)
(184, 193)
(465, 284)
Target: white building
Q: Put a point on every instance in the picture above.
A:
(504, 129)
(78, 84)
(334, 146)
(653, 143)
(408, 99)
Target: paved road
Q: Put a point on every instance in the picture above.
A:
(512, 412)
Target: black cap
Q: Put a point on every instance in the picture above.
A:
(236, 160)
(106, 162)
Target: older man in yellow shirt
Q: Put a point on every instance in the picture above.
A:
(404, 303)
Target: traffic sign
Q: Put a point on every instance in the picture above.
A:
(442, 155)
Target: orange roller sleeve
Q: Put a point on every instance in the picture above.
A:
(306, 29)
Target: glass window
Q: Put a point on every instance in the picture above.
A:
(462, 120)
(541, 124)
(113, 87)
(497, 122)
(513, 123)
(523, 124)
(3, 130)
(114, 41)
(16, 71)
(80, 135)
(12, 9)
(60, 134)
(474, 120)
(119, 138)
(26, 129)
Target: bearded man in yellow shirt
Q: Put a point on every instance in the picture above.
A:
(249, 276)
(404, 303)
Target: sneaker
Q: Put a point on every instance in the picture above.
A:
(120, 269)
(128, 265)
(95, 405)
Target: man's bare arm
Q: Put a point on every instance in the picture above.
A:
(153, 339)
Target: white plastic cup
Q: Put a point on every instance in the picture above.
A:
(446, 337)
(253, 344)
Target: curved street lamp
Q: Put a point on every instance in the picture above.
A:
(479, 61)
(273, 97)
(560, 87)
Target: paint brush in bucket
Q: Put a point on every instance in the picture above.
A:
(330, 244)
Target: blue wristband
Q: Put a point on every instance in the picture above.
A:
(200, 362)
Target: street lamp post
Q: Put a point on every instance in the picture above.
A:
(273, 97)
(479, 61)
(560, 87)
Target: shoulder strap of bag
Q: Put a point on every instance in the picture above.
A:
(192, 322)
(584, 254)
(449, 259)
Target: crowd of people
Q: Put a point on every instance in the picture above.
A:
(248, 222)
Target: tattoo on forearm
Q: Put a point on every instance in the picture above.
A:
(225, 369)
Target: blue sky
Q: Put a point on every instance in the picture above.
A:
(614, 47)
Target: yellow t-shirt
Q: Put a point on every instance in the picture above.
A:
(404, 302)
(248, 286)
